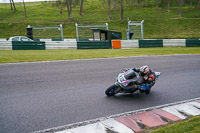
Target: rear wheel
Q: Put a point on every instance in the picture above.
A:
(112, 90)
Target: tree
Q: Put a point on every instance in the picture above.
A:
(199, 4)
(13, 4)
(81, 7)
(180, 8)
(115, 4)
(176, 2)
(122, 10)
(24, 9)
(109, 13)
(168, 5)
(69, 8)
(157, 2)
(190, 3)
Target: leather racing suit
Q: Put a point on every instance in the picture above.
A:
(148, 80)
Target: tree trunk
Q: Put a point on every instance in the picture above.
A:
(199, 4)
(109, 13)
(69, 8)
(14, 6)
(180, 8)
(24, 9)
(122, 10)
(190, 3)
(157, 2)
(11, 5)
(60, 12)
(176, 2)
(81, 7)
(115, 5)
(168, 5)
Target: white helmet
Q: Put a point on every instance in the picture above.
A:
(144, 70)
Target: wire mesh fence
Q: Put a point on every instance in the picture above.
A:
(136, 27)
(48, 32)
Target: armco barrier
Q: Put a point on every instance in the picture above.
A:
(173, 42)
(5, 45)
(129, 44)
(150, 43)
(192, 42)
(45, 40)
(29, 45)
(3, 39)
(72, 44)
(66, 44)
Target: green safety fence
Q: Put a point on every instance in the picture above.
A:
(29, 45)
(94, 45)
(192, 42)
(56, 39)
(150, 43)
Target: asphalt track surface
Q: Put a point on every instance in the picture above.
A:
(41, 95)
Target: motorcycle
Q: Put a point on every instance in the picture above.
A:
(129, 82)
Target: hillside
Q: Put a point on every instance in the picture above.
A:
(158, 22)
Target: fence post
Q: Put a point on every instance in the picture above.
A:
(142, 32)
(77, 32)
(61, 29)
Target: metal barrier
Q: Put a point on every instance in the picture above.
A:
(73, 44)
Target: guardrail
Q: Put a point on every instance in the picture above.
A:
(48, 44)
(66, 44)
(123, 44)
(160, 43)
(5, 45)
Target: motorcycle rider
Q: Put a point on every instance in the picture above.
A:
(148, 78)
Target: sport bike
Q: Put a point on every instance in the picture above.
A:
(129, 82)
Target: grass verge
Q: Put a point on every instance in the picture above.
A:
(13, 56)
(192, 125)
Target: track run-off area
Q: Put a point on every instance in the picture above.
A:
(42, 95)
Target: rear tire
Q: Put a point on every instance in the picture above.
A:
(111, 91)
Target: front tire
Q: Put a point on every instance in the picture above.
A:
(112, 90)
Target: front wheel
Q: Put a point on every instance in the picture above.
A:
(112, 90)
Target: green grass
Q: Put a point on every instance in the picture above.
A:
(158, 22)
(189, 126)
(7, 56)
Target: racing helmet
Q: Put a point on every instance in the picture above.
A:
(144, 70)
